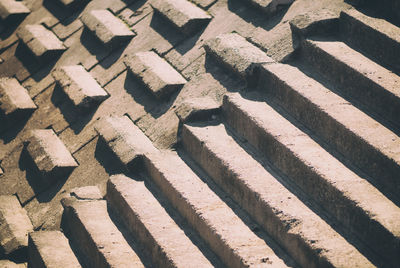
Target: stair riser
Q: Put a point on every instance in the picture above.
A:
(353, 83)
(250, 201)
(370, 41)
(136, 227)
(209, 235)
(353, 217)
(356, 149)
(83, 241)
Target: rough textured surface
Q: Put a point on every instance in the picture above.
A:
(48, 152)
(290, 221)
(236, 53)
(109, 29)
(79, 85)
(145, 217)
(14, 225)
(50, 249)
(40, 41)
(12, 8)
(186, 16)
(14, 97)
(328, 154)
(160, 77)
(125, 139)
(96, 236)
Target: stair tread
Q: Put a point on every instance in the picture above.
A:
(377, 24)
(373, 71)
(112, 250)
(363, 200)
(356, 121)
(212, 211)
(290, 212)
(171, 240)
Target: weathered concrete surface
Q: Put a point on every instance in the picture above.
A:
(10, 264)
(145, 217)
(216, 223)
(297, 228)
(96, 236)
(14, 225)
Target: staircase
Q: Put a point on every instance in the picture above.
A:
(300, 168)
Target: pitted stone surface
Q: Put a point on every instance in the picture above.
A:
(124, 138)
(79, 85)
(14, 224)
(49, 152)
(10, 8)
(160, 77)
(40, 40)
(146, 217)
(14, 97)
(50, 249)
(236, 53)
(182, 13)
(109, 29)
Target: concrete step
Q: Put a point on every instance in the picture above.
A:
(50, 249)
(151, 225)
(369, 145)
(215, 222)
(376, 37)
(352, 200)
(93, 233)
(305, 236)
(356, 76)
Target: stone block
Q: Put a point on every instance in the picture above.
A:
(81, 88)
(40, 41)
(14, 97)
(14, 225)
(157, 74)
(11, 8)
(49, 152)
(124, 138)
(236, 53)
(110, 30)
(186, 16)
